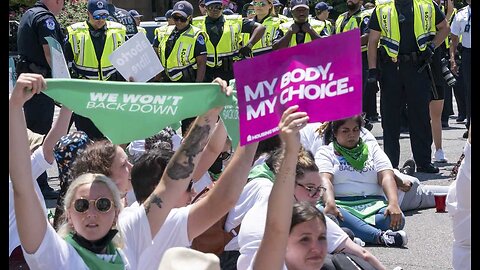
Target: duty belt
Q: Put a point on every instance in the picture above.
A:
(411, 57)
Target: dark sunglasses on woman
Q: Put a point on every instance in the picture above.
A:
(101, 204)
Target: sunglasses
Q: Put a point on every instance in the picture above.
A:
(215, 6)
(259, 4)
(179, 18)
(224, 155)
(312, 191)
(100, 17)
(250, 11)
(190, 186)
(101, 204)
(202, 5)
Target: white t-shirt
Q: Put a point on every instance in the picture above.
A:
(253, 227)
(56, 253)
(253, 192)
(349, 182)
(459, 206)
(457, 28)
(39, 165)
(144, 252)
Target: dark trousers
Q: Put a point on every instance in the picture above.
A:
(369, 92)
(404, 81)
(39, 112)
(460, 92)
(86, 125)
(467, 76)
(447, 104)
(212, 73)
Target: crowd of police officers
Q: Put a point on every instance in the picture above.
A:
(399, 39)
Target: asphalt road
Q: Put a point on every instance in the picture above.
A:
(429, 233)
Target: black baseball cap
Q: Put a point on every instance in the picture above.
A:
(183, 8)
(97, 7)
(299, 3)
(321, 6)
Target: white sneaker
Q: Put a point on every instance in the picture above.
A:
(439, 156)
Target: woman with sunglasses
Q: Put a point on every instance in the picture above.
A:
(92, 202)
(361, 189)
(265, 15)
(90, 44)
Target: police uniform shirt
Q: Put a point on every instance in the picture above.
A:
(363, 25)
(408, 42)
(300, 36)
(459, 26)
(215, 28)
(32, 32)
(200, 47)
(122, 16)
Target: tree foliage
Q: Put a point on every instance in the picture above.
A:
(73, 13)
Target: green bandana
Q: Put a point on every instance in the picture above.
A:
(93, 261)
(356, 157)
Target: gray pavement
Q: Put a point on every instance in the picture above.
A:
(429, 233)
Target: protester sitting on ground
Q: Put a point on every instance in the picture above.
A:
(65, 151)
(93, 229)
(411, 194)
(307, 189)
(184, 223)
(361, 190)
(295, 239)
(459, 206)
(40, 159)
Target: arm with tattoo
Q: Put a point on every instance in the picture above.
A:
(179, 171)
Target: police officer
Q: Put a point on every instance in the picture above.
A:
(224, 39)
(462, 27)
(90, 44)
(357, 17)
(138, 18)
(408, 38)
(37, 23)
(322, 11)
(264, 14)
(301, 30)
(122, 16)
(182, 50)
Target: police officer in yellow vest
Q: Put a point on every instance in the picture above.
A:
(357, 17)
(264, 14)
(182, 48)
(409, 31)
(225, 39)
(301, 29)
(90, 44)
(163, 28)
(138, 18)
(322, 11)
(278, 11)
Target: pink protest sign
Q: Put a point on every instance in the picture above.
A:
(324, 77)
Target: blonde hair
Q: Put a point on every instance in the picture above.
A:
(89, 178)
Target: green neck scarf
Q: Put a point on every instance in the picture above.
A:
(93, 261)
(356, 157)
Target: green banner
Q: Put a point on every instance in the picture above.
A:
(127, 111)
(229, 117)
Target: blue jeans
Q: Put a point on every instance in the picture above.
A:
(368, 233)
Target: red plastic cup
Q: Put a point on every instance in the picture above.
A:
(440, 200)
